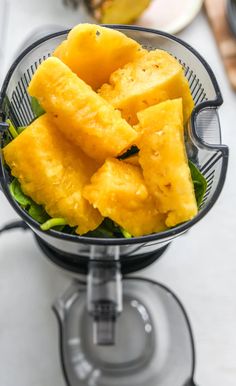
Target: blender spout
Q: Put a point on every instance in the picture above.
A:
(104, 299)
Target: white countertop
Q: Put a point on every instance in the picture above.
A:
(200, 267)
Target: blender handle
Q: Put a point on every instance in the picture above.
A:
(104, 299)
(3, 128)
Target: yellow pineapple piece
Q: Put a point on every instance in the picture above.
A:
(53, 173)
(94, 52)
(132, 160)
(80, 113)
(164, 162)
(116, 11)
(118, 190)
(61, 50)
(155, 117)
(151, 78)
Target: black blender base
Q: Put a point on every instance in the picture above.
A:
(79, 264)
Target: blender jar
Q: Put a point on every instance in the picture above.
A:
(156, 322)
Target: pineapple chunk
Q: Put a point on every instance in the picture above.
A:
(117, 11)
(60, 50)
(79, 113)
(164, 162)
(53, 173)
(132, 160)
(153, 77)
(165, 113)
(153, 118)
(118, 190)
(94, 52)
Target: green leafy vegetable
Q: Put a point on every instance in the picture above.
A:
(13, 131)
(100, 232)
(133, 150)
(36, 107)
(125, 233)
(110, 225)
(67, 229)
(37, 212)
(20, 129)
(199, 182)
(109, 229)
(12, 128)
(53, 222)
(18, 195)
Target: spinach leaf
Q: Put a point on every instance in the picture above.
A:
(18, 195)
(110, 226)
(133, 150)
(66, 229)
(199, 182)
(20, 129)
(36, 107)
(14, 131)
(53, 222)
(125, 233)
(12, 128)
(100, 232)
(37, 212)
(109, 229)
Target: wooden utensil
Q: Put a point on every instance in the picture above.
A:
(216, 12)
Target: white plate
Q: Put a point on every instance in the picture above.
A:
(170, 15)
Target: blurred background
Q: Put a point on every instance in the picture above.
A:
(200, 268)
(25, 21)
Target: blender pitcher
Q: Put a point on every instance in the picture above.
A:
(150, 341)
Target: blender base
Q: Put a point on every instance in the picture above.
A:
(79, 264)
(154, 343)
